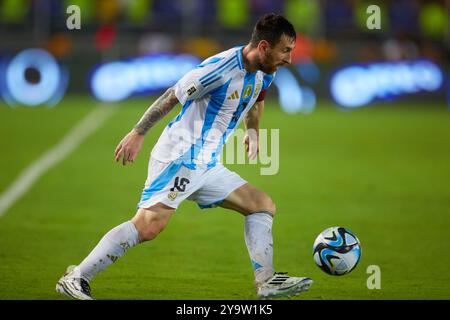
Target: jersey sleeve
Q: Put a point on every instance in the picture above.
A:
(200, 81)
(267, 81)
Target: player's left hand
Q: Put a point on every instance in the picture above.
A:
(129, 147)
(251, 144)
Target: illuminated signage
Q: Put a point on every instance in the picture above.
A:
(448, 91)
(358, 85)
(116, 81)
(292, 96)
(33, 77)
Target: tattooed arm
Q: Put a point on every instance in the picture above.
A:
(156, 111)
(131, 144)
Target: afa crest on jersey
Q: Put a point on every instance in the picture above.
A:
(248, 91)
(172, 195)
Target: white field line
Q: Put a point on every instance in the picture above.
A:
(50, 158)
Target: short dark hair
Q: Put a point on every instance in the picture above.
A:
(270, 28)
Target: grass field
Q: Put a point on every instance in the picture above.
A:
(381, 171)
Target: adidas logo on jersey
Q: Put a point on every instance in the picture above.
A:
(234, 95)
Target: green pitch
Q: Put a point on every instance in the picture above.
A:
(381, 171)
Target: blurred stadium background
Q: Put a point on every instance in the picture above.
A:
(364, 143)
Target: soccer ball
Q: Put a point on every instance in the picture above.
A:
(337, 251)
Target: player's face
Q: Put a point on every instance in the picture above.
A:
(279, 56)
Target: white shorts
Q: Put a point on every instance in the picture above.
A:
(172, 182)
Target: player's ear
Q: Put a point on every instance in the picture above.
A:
(263, 45)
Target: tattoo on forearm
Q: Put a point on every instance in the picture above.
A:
(157, 111)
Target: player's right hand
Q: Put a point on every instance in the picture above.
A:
(129, 147)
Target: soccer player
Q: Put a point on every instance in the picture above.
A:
(184, 164)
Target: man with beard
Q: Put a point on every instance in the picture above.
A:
(184, 164)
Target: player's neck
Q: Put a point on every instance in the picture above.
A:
(250, 59)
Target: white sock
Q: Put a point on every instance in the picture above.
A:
(111, 247)
(258, 238)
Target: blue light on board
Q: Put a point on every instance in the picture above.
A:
(116, 81)
(309, 72)
(50, 87)
(293, 98)
(357, 85)
(448, 91)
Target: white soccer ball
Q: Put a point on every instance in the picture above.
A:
(337, 251)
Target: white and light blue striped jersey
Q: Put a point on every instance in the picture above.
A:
(215, 97)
